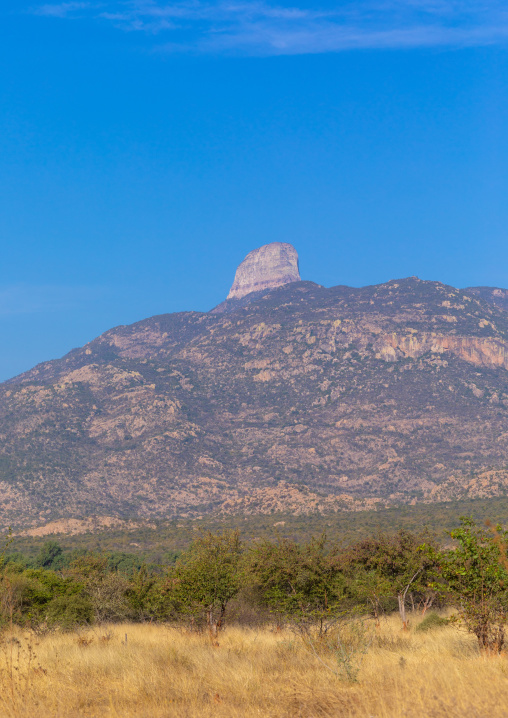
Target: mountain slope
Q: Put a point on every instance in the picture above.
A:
(303, 398)
(493, 295)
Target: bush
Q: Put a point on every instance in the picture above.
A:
(430, 622)
(208, 578)
(475, 576)
(25, 596)
(22, 599)
(247, 609)
(298, 583)
(106, 591)
(68, 612)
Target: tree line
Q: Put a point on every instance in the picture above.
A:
(310, 585)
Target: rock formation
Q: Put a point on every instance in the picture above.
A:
(268, 267)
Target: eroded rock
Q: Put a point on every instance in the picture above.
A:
(268, 267)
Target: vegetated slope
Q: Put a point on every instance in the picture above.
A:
(151, 542)
(307, 398)
(493, 295)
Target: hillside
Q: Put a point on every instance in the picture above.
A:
(298, 398)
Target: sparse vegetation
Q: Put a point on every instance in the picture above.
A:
(313, 629)
(162, 543)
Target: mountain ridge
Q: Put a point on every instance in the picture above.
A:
(300, 398)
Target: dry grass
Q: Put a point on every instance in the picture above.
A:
(163, 672)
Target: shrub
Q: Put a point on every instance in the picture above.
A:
(298, 583)
(26, 595)
(475, 576)
(392, 564)
(68, 612)
(107, 591)
(430, 622)
(208, 578)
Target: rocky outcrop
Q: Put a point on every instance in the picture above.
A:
(270, 266)
(482, 352)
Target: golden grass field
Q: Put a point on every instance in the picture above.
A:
(165, 672)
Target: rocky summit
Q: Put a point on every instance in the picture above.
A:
(297, 398)
(270, 266)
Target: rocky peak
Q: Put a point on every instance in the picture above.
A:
(268, 267)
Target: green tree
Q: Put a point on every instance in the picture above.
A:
(50, 556)
(7, 542)
(6, 602)
(475, 576)
(37, 596)
(394, 564)
(140, 593)
(207, 577)
(301, 583)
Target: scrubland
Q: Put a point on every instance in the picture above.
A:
(156, 671)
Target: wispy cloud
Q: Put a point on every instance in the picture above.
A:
(30, 299)
(65, 9)
(257, 27)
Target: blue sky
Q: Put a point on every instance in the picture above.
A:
(146, 147)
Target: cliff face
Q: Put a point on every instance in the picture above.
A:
(482, 352)
(305, 398)
(270, 266)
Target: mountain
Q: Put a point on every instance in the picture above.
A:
(294, 397)
(493, 295)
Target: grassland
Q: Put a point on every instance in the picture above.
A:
(154, 671)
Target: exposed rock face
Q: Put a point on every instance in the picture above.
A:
(482, 352)
(268, 267)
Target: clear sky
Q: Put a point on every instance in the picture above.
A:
(147, 146)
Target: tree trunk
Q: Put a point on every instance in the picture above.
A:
(402, 610)
(215, 624)
(220, 622)
(429, 600)
(402, 600)
(212, 623)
